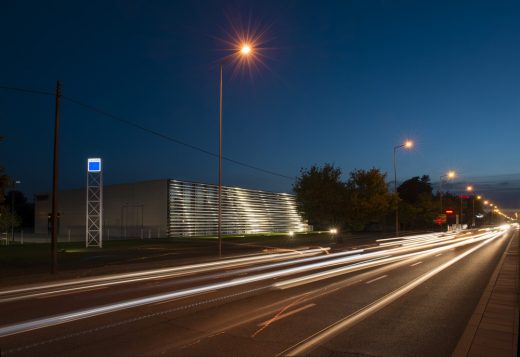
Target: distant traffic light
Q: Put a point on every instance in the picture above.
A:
(449, 211)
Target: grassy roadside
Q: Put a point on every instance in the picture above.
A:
(29, 263)
(21, 264)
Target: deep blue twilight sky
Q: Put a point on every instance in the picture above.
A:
(339, 81)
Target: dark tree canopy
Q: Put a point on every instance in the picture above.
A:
(326, 201)
(368, 199)
(7, 217)
(417, 207)
(4, 182)
(411, 190)
(23, 209)
(321, 195)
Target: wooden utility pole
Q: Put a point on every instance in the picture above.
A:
(54, 213)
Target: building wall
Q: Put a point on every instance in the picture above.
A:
(193, 211)
(130, 210)
(172, 208)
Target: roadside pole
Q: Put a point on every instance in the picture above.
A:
(54, 217)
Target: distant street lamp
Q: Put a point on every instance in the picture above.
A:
(469, 188)
(449, 175)
(244, 50)
(490, 213)
(408, 144)
(478, 198)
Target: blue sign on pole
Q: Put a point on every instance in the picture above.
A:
(94, 165)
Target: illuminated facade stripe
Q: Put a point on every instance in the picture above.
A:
(193, 211)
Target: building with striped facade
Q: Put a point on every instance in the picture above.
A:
(173, 208)
(193, 210)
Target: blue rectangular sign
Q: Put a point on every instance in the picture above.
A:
(94, 165)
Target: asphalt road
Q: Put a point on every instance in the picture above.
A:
(406, 297)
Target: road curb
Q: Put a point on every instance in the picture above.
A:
(465, 342)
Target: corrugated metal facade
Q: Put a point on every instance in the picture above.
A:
(193, 210)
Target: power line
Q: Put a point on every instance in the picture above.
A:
(26, 90)
(148, 130)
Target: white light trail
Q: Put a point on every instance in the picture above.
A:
(329, 332)
(374, 259)
(118, 279)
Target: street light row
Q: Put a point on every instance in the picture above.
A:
(408, 144)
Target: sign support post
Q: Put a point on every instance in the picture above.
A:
(94, 216)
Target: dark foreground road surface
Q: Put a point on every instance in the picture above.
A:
(407, 297)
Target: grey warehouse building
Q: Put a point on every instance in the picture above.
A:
(172, 208)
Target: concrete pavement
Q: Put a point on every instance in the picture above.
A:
(493, 328)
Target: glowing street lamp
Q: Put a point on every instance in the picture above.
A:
(449, 175)
(470, 189)
(408, 144)
(491, 205)
(245, 50)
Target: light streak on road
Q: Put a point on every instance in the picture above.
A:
(376, 279)
(118, 279)
(357, 262)
(320, 337)
(382, 260)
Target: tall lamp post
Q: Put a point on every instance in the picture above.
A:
(478, 198)
(244, 50)
(408, 144)
(490, 213)
(449, 175)
(469, 188)
(487, 203)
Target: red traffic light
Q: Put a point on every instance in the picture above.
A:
(449, 211)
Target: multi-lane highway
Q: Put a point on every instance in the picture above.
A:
(406, 296)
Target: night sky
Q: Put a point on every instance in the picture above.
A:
(340, 82)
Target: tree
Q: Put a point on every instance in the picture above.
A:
(321, 196)
(368, 198)
(4, 182)
(411, 189)
(417, 209)
(7, 218)
(23, 209)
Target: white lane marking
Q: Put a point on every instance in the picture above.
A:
(376, 279)
(438, 255)
(320, 337)
(414, 264)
